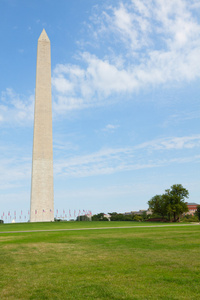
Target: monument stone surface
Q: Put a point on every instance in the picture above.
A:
(42, 195)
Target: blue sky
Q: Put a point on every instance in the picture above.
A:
(125, 92)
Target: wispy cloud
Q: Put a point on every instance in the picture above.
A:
(182, 116)
(142, 156)
(148, 43)
(186, 142)
(15, 109)
(159, 42)
(14, 172)
(60, 145)
(110, 127)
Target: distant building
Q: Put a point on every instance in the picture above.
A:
(89, 216)
(128, 213)
(139, 212)
(192, 207)
(108, 216)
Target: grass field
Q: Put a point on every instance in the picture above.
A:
(72, 225)
(123, 263)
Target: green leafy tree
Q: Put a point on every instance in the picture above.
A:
(158, 205)
(144, 215)
(137, 218)
(175, 201)
(104, 219)
(171, 203)
(83, 218)
(198, 212)
(117, 217)
(128, 217)
(99, 217)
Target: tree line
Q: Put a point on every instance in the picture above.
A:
(114, 216)
(170, 206)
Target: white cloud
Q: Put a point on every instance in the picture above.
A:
(14, 172)
(63, 145)
(63, 85)
(142, 156)
(16, 108)
(132, 27)
(65, 103)
(186, 142)
(182, 116)
(154, 42)
(110, 127)
(145, 43)
(195, 4)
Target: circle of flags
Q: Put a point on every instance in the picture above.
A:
(24, 216)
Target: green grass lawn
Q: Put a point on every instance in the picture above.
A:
(125, 263)
(70, 225)
(74, 225)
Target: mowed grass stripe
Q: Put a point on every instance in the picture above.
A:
(68, 225)
(99, 228)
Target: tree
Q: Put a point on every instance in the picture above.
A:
(83, 218)
(117, 217)
(99, 217)
(198, 212)
(158, 205)
(175, 201)
(137, 218)
(171, 203)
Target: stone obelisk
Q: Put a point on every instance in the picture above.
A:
(42, 196)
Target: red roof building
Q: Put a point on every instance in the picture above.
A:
(192, 207)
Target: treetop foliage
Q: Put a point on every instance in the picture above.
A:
(171, 204)
(198, 212)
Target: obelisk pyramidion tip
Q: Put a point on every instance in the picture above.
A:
(43, 36)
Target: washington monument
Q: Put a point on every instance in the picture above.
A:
(42, 197)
